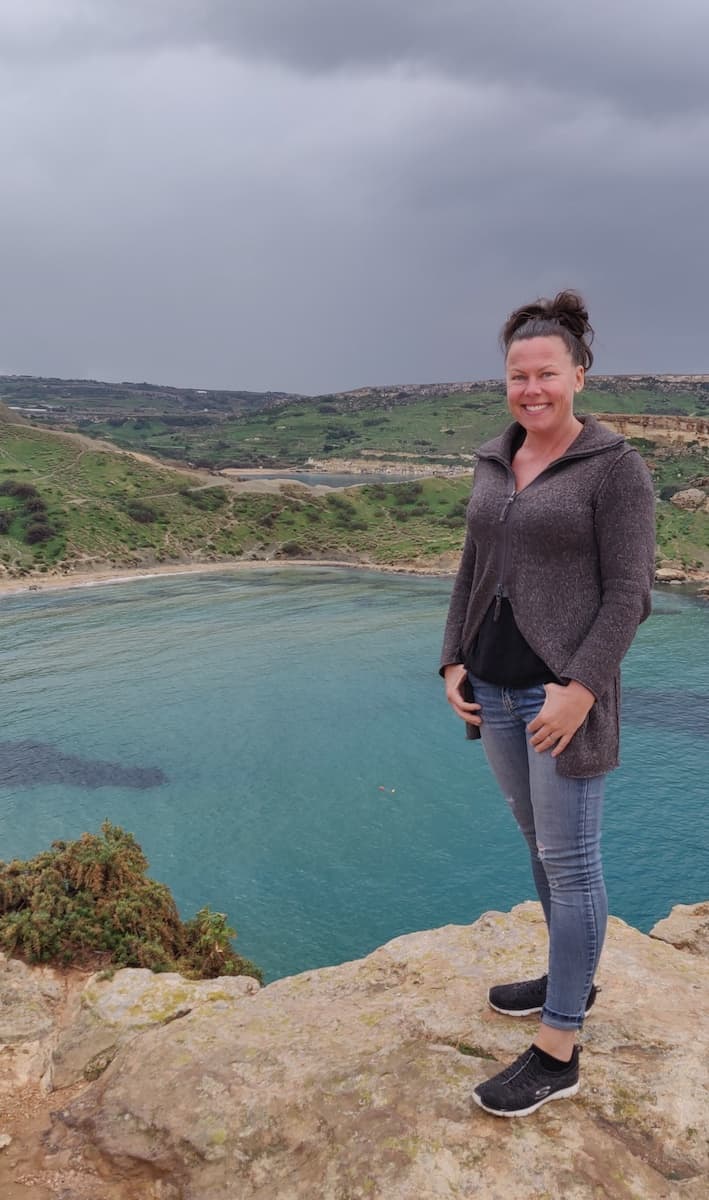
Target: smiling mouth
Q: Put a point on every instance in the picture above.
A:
(534, 407)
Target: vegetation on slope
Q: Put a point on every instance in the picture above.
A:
(424, 429)
(90, 902)
(238, 429)
(110, 509)
(117, 511)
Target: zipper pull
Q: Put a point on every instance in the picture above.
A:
(498, 603)
(507, 506)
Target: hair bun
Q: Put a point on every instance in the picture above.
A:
(565, 316)
(570, 311)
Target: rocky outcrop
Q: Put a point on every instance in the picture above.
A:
(670, 575)
(658, 427)
(113, 1011)
(690, 499)
(687, 928)
(31, 1001)
(354, 1081)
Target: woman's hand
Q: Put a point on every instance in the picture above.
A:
(454, 676)
(563, 712)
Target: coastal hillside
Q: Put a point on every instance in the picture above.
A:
(70, 503)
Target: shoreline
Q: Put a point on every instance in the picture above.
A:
(111, 575)
(104, 576)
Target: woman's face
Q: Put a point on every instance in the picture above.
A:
(542, 379)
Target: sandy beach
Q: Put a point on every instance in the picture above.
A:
(446, 566)
(112, 575)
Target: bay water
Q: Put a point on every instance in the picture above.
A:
(278, 742)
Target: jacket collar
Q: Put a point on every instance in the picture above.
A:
(593, 439)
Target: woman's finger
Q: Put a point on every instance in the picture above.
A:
(561, 745)
(542, 735)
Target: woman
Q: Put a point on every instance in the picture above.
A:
(556, 575)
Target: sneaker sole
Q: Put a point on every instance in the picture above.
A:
(522, 1012)
(515, 1012)
(525, 1112)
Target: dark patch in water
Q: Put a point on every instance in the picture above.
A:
(28, 764)
(687, 712)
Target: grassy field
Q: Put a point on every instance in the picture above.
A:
(422, 428)
(98, 507)
(295, 432)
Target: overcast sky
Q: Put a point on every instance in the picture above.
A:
(314, 195)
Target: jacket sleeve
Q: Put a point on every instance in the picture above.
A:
(624, 523)
(452, 651)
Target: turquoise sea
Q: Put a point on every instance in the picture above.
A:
(278, 742)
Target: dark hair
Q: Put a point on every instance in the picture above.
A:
(566, 316)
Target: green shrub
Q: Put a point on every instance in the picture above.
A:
(90, 903)
(38, 531)
(138, 511)
(207, 499)
(23, 491)
(35, 504)
(407, 493)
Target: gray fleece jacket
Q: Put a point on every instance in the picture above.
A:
(575, 553)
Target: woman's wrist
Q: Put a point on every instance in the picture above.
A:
(580, 690)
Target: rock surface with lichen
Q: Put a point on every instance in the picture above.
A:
(112, 1011)
(686, 928)
(354, 1081)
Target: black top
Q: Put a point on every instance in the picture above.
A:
(500, 654)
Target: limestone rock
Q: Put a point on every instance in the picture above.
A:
(5, 1141)
(28, 997)
(113, 1010)
(31, 999)
(354, 1081)
(670, 575)
(690, 498)
(687, 928)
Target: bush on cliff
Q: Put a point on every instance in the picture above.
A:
(91, 903)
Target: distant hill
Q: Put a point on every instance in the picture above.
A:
(235, 429)
(52, 397)
(74, 397)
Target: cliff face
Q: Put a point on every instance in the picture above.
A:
(354, 1081)
(672, 430)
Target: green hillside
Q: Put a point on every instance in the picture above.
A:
(424, 429)
(241, 429)
(108, 508)
(66, 505)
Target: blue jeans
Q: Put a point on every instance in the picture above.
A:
(560, 819)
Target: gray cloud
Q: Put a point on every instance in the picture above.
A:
(647, 58)
(309, 196)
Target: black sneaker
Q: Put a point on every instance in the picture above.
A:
(524, 1086)
(523, 999)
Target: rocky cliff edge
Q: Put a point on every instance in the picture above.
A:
(353, 1082)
